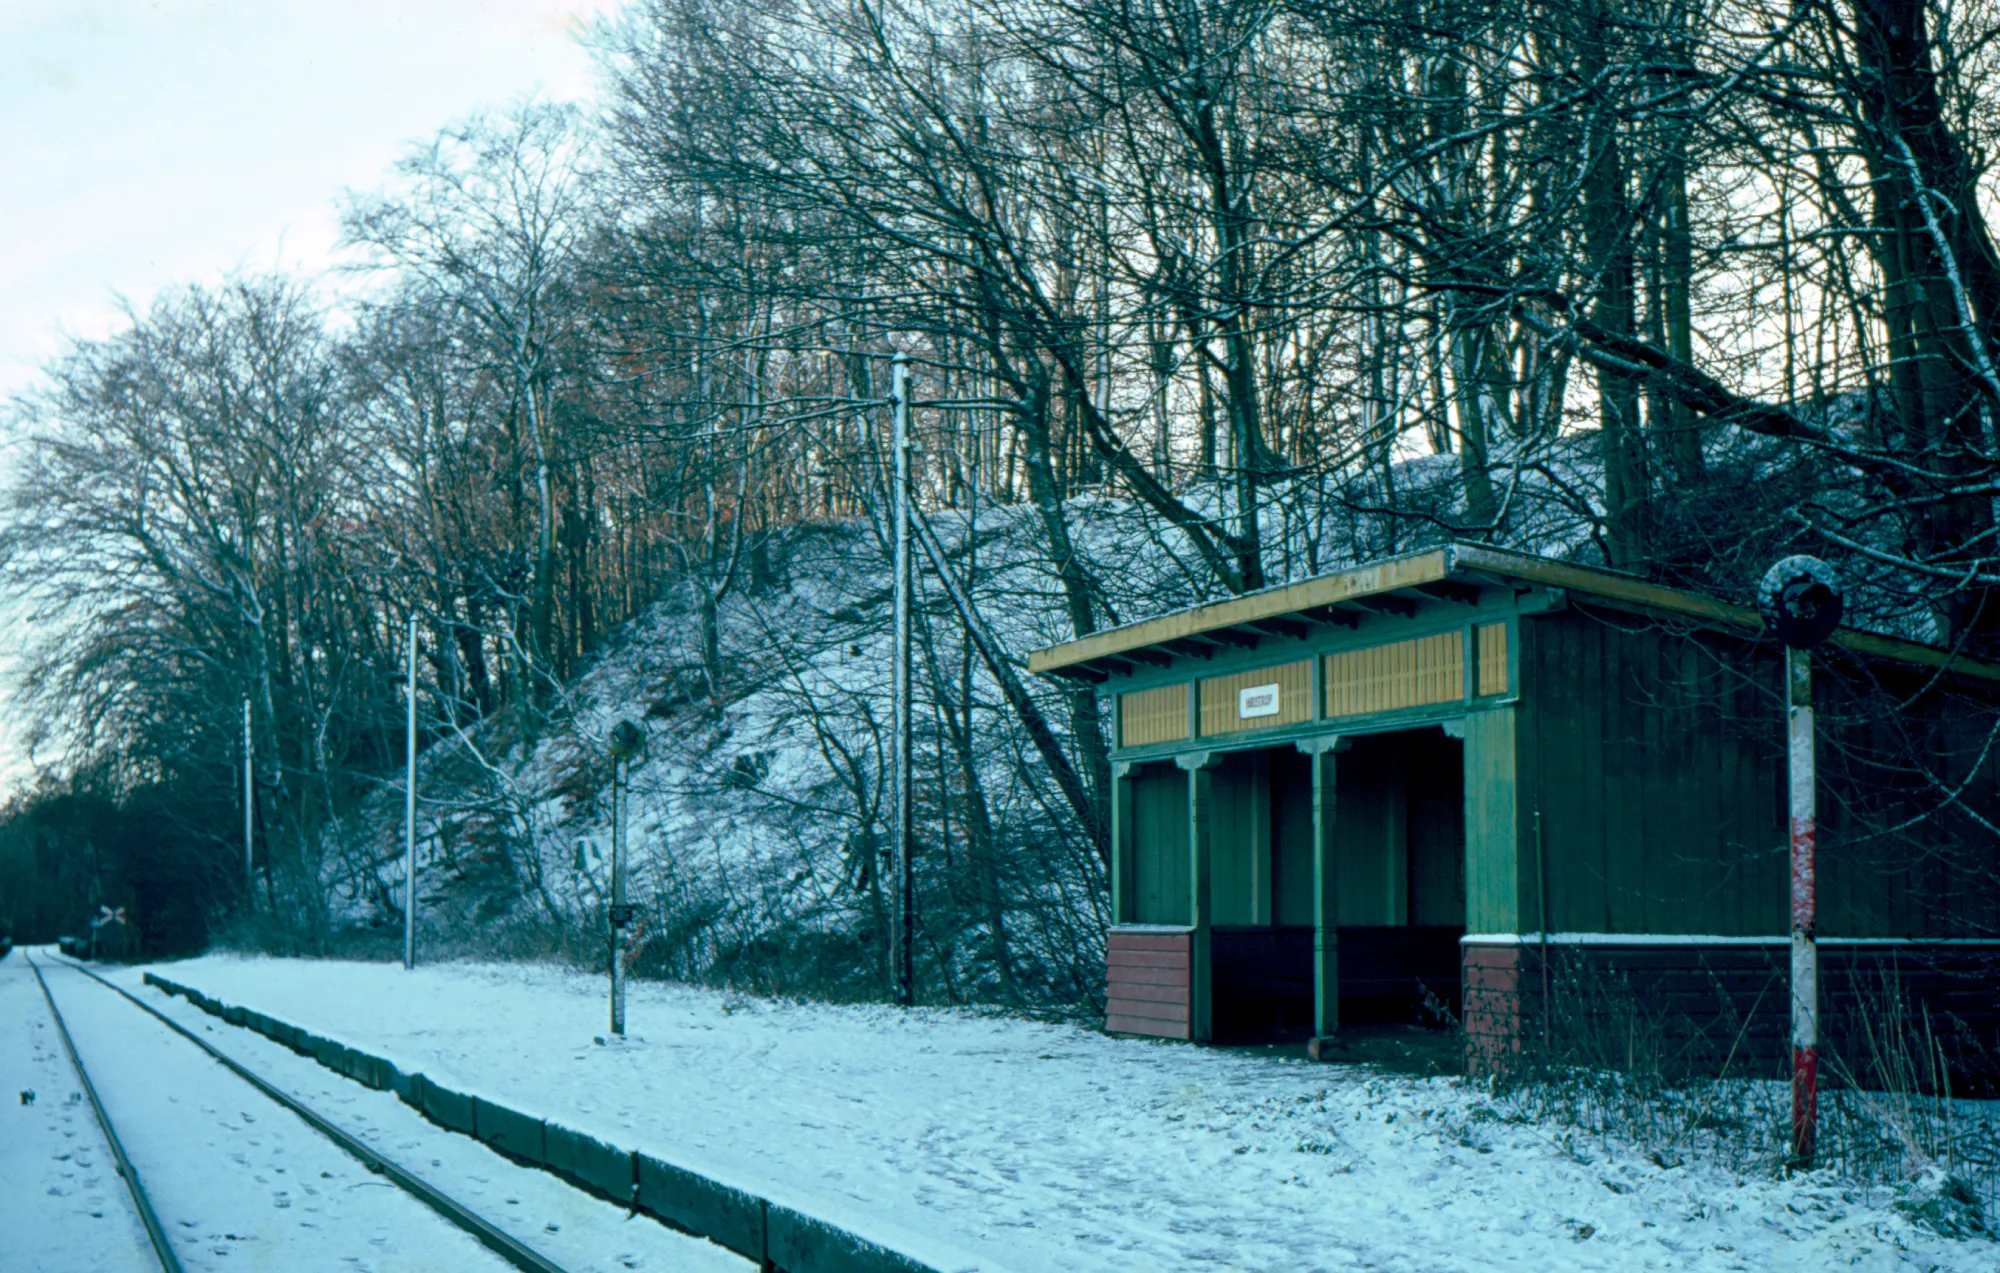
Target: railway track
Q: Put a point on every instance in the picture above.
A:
(448, 1208)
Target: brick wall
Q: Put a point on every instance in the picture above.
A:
(1688, 1009)
(1146, 981)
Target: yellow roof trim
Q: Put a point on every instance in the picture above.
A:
(1441, 564)
(1322, 590)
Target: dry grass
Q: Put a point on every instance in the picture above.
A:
(1889, 1118)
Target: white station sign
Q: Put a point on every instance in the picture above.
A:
(1257, 700)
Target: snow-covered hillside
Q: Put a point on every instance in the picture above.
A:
(756, 815)
(758, 837)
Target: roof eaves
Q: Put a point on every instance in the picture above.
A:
(1439, 564)
(1611, 586)
(1321, 590)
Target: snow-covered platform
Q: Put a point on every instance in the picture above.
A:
(970, 1140)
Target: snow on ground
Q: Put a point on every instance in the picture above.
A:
(62, 1205)
(571, 1227)
(980, 1141)
(235, 1179)
(241, 1183)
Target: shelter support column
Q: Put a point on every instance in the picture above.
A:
(1325, 895)
(1122, 909)
(1502, 966)
(1200, 910)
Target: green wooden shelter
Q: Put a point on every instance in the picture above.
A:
(1450, 784)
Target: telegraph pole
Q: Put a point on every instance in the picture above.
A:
(901, 961)
(1801, 601)
(249, 810)
(410, 811)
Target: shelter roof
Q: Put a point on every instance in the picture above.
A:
(1455, 571)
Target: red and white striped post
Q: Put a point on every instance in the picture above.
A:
(1805, 907)
(1801, 601)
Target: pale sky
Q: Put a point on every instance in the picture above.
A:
(144, 145)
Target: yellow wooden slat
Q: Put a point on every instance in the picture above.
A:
(1387, 678)
(1493, 659)
(1153, 716)
(1478, 561)
(1220, 698)
(1362, 581)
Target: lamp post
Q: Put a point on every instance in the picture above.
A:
(410, 811)
(626, 742)
(1801, 601)
(249, 811)
(901, 962)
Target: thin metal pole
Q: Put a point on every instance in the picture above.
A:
(249, 810)
(410, 811)
(620, 777)
(1805, 908)
(901, 962)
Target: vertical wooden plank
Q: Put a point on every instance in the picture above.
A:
(1200, 795)
(1146, 849)
(1715, 699)
(1174, 873)
(1684, 727)
(1396, 826)
(1259, 837)
(1761, 861)
(1566, 771)
(1663, 821)
(1160, 858)
(1240, 839)
(1325, 897)
(1291, 837)
(1121, 844)
(1735, 822)
(1614, 674)
(1360, 839)
(1525, 778)
(1492, 842)
(1434, 775)
(1228, 884)
(1591, 906)
(1662, 816)
(1620, 701)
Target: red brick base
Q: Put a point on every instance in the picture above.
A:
(1723, 1009)
(1146, 981)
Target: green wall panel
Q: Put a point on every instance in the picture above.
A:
(1492, 831)
(1160, 845)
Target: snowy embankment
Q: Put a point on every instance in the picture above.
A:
(989, 1142)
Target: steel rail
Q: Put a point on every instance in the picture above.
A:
(490, 1235)
(154, 1231)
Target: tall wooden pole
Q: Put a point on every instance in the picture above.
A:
(627, 739)
(901, 961)
(410, 811)
(1801, 600)
(249, 810)
(1805, 908)
(620, 780)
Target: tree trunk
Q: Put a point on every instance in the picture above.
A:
(1942, 277)
(1607, 219)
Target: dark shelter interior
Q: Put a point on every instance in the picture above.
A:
(1400, 837)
